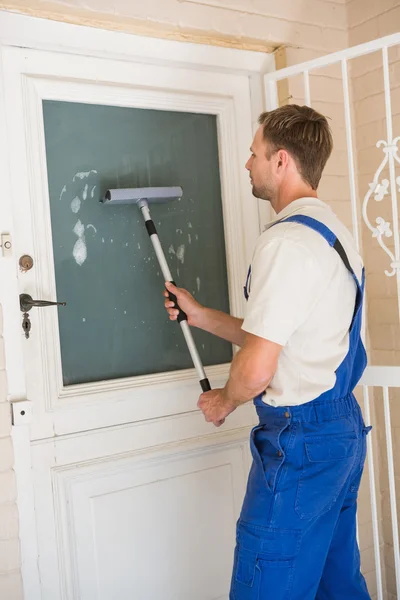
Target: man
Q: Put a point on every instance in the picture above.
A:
(301, 356)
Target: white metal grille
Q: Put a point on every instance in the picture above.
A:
(379, 188)
(386, 380)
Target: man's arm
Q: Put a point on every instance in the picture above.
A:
(252, 369)
(279, 303)
(214, 321)
(222, 325)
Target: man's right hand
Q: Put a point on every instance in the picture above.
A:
(186, 302)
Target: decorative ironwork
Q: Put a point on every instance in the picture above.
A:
(379, 188)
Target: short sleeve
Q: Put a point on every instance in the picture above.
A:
(286, 282)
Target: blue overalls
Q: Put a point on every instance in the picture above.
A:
(296, 535)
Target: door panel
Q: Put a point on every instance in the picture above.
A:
(128, 480)
(143, 524)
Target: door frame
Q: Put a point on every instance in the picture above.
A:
(29, 32)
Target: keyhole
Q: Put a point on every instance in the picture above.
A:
(26, 325)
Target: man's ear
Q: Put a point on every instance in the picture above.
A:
(282, 158)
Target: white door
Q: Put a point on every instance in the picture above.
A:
(124, 491)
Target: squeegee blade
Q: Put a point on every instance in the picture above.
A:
(134, 195)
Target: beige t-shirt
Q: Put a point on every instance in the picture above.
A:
(302, 297)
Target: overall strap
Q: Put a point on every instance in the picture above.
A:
(332, 240)
(350, 370)
(329, 236)
(247, 285)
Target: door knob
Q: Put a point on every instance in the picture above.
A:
(26, 302)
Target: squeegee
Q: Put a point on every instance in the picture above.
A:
(142, 197)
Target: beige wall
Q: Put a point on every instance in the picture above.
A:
(311, 25)
(308, 28)
(368, 20)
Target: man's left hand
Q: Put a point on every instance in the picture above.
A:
(215, 406)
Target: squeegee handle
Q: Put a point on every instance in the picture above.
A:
(183, 322)
(182, 316)
(204, 383)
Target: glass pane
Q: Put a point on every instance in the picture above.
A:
(115, 324)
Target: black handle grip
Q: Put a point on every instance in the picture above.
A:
(205, 385)
(182, 316)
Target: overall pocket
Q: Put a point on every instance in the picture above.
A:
(356, 480)
(267, 452)
(264, 558)
(328, 461)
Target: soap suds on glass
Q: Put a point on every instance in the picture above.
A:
(83, 174)
(75, 204)
(79, 229)
(180, 253)
(79, 251)
(63, 191)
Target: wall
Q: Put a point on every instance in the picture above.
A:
(368, 20)
(309, 25)
(308, 28)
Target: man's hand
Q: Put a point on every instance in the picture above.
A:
(186, 302)
(251, 371)
(214, 321)
(215, 406)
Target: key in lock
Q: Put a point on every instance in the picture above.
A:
(26, 302)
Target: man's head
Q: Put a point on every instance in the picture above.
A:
(289, 152)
